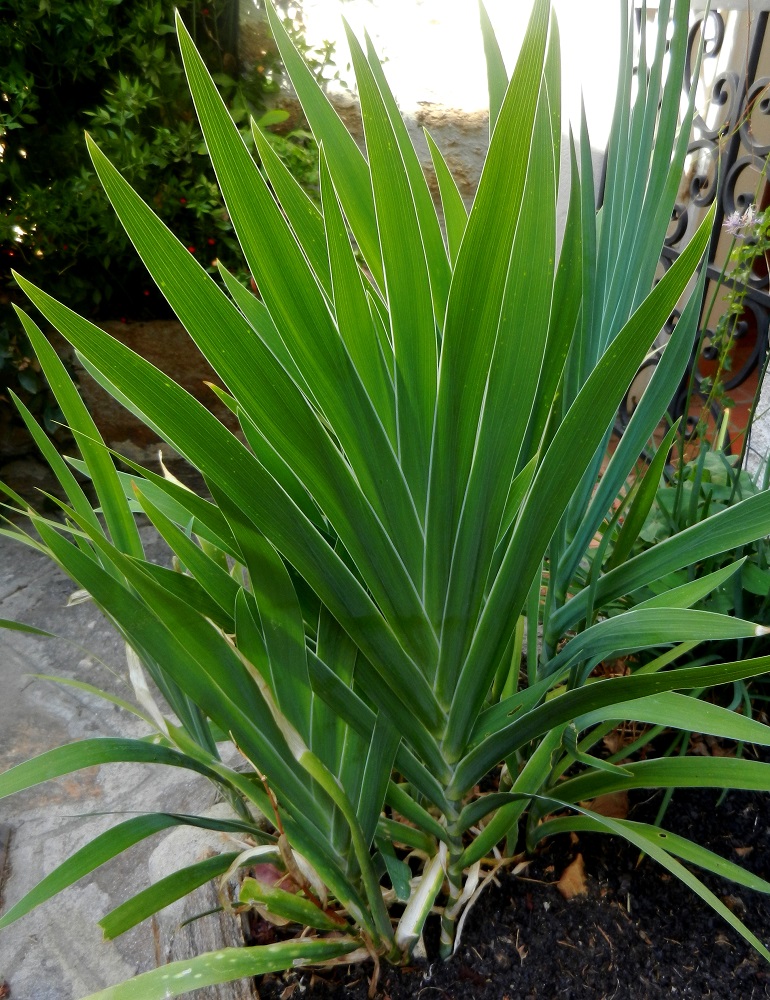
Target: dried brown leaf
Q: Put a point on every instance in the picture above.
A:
(613, 805)
(612, 668)
(735, 905)
(717, 749)
(614, 741)
(710, 746)
(573, 879)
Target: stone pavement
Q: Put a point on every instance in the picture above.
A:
(57, 951)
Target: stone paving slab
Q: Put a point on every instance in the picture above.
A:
(57, 951)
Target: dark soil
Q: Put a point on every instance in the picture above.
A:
(638, 933)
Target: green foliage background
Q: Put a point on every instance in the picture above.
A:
(112, 68)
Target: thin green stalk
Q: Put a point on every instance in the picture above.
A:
(418, 908)
(455, 883)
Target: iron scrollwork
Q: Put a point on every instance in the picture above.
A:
(726, 163)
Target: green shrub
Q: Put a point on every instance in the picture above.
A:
(111, 67)
(425, 426)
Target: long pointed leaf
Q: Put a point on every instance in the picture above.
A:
(514, 372)
(225, 966)
(475, 301)
(407, 280)
(559, 474)
(196, 434)
(119, 520)
(346, 162)
(430, 230)
(455, 213)
(100, 850)
(87, 753)
(728, 529)
(497, 76)
(559, 711)
(164, 892)
(303, 214)
(354, 319)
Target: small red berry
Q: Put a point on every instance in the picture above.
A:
(211, 241)
(122, 319)
(205, 12)
(191, 249)
(182, 201)
(64, 246)
(146, 291)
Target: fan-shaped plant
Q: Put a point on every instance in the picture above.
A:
(424, 412)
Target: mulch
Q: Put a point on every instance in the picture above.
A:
(637, 933)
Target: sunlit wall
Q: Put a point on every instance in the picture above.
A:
(434, 50)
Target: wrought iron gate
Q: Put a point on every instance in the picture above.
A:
(727, 163)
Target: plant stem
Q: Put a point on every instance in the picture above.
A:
(420, 902)
(454, 874)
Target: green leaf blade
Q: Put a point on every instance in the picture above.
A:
(100, 850)
(226, 966)
(346, 162)
(163, 893)
(119, 519)
(407, 280)
(474, 307)
(562, 468)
